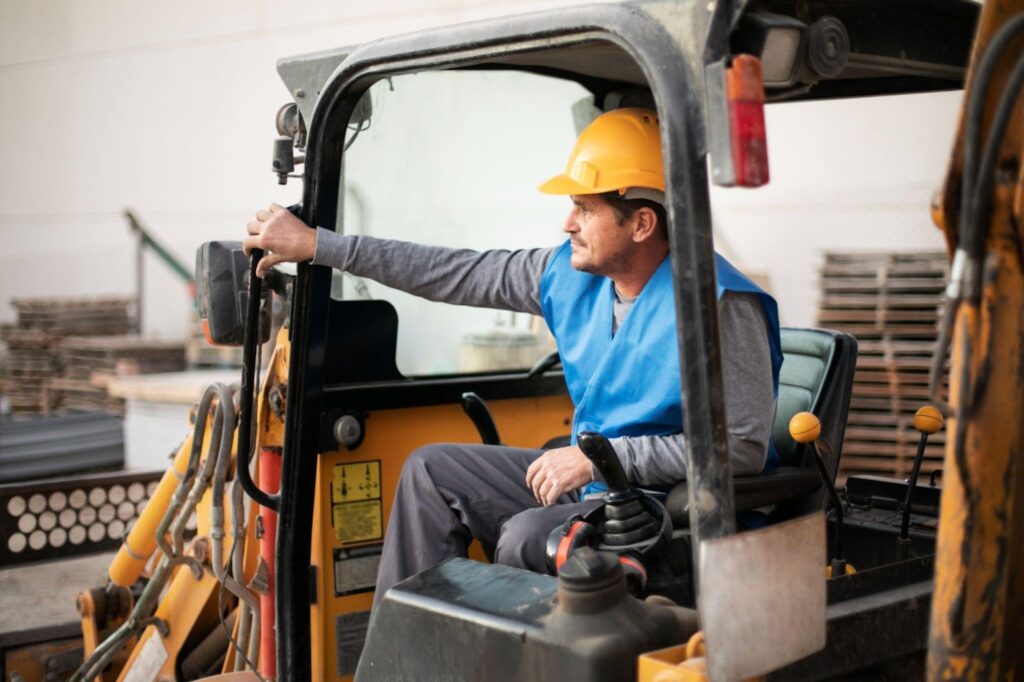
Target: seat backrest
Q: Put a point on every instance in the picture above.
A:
(817, 376)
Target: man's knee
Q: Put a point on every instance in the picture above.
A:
(421, 460)
(522, 540)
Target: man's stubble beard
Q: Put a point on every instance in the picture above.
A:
(617, 263)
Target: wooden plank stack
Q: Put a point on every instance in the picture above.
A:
(90, 362)
(31, 362)
(34, 340)
(76, 316)
(892, 303)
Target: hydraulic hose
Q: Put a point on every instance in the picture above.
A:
(140, 543)
(972, 136)
(249, 612)
(178, 512)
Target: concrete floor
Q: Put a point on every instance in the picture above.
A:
(43, 594)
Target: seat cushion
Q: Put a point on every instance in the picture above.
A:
(750, 491)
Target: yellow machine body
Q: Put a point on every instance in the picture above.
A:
(356, 520)
(976, 628)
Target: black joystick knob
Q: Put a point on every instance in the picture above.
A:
(599, 451)
(627, 519)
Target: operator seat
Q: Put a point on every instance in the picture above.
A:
(816, 376)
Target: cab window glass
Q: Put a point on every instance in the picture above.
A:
(454, 159)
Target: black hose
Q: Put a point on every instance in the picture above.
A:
(245, 396)
(972, 127)
(982, 205)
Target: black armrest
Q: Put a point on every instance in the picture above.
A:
(785, 483)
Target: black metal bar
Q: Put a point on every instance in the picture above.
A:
(911, 484)
(709, 472)
(298, 469)
(826, 481)
(245, 395)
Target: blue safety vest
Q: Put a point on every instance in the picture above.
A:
(629, 384)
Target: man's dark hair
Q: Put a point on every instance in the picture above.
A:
(625, 208)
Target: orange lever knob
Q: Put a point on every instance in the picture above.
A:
(804, 427)
(928, 420)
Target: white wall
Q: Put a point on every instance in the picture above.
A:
(168, 108)
(845, 175)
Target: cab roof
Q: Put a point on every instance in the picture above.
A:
(895, 46)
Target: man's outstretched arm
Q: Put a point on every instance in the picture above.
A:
(506, 280)
(502, 279)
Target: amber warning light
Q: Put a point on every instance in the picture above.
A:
(745, 93)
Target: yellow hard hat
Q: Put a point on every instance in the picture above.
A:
(619, 150)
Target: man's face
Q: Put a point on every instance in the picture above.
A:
(599, 243)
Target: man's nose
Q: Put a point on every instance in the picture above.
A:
(571, 225)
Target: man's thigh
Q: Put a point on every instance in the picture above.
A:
(524, 536)
(483, 485)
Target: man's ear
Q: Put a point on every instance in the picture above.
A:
(646, 224)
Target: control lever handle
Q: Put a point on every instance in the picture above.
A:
(476, 409)
(805, 428)
(544, 364)
(927, 420)
(601, 453)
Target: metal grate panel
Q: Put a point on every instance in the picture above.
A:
(57, 518)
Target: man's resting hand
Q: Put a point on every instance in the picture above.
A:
(282, 237)
(557, 472)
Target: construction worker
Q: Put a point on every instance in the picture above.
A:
(606, 294)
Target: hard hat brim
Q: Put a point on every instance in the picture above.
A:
(563, 185)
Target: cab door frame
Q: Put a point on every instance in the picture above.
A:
(672, 72)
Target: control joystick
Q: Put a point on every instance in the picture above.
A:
(627, 521)
(805, 428)
(628, 524)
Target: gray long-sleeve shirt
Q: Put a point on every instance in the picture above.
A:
(510, 280)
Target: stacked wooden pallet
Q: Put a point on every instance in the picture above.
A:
(892, 303)
(89, 363)
(34, 340)
(30, 364)
(76, 316)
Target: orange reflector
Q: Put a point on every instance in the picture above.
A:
(205, 326)
(745, 92)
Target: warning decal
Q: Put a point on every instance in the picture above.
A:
(356, 512)
(357, 481)
(358, 521)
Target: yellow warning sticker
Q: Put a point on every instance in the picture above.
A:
(358, 521)
(356, 481)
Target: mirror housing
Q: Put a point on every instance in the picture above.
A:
(222, 292)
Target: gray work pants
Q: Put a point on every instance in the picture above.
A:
(449, 493)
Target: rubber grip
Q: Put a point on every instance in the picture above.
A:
(599, 451)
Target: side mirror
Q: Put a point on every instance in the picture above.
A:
(222, 292)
